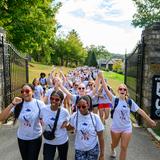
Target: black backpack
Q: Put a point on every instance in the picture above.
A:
(129, 102)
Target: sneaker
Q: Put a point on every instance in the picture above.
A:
(113, 154)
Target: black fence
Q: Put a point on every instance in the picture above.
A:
(15, 72)
(134, 74)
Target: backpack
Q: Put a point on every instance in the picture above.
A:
(129, 102)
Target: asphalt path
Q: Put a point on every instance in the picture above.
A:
(141, 147)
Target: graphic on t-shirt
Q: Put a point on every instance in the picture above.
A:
(49, 125)
(52, 119)
(26, 123)
(85, 132)
(123, 114)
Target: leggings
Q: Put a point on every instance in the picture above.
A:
(49, 151)
(30, 149)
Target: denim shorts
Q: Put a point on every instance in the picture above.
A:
(87, 155)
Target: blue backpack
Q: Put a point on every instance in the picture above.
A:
(129, 102)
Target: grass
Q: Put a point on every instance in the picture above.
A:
(35, 69)
(157, 130)
(114, 79)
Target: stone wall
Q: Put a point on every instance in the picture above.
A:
(151, 37)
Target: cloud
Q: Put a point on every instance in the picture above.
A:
(78, 13)
(101, 22)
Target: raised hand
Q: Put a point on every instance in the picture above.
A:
(152, 123)
(17, 100)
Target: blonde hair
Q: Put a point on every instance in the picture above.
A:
(124, 86)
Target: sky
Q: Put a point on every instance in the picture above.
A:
(101, 22)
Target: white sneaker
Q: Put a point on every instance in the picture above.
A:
(113, 153)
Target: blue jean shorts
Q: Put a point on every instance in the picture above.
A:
(87, 155)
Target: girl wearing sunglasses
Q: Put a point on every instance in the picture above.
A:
(89, 140)
(61, 136)
(26, 110)
(121, 128)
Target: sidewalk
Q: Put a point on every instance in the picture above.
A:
(141, 147)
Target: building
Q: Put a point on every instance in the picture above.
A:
(108, 63)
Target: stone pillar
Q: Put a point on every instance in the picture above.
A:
(151, 37)
(2, 38)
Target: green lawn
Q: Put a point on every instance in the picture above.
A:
(114, 79)
(35, 69)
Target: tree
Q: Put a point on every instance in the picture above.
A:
(99, 51)
(69, 50)
(117, 66)
(31, 26)
(148, 12)
(92, 61)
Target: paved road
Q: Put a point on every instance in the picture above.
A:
(141, 147)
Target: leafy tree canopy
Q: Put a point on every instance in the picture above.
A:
(148, 12)
(100, 52)
(30, 24)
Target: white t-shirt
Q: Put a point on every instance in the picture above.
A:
(104, 99)
(29, 124)
(48, 94)
(86, 130)
(38, 91)
(48, 116)
(121, 117)
(43, 81)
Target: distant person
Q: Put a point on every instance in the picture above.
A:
(43, 81)
(38, 90)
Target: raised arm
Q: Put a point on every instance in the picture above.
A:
(146, 117)
(96, 85)
(64, 89)
(109, 94)
(51, 73)
(7, 111)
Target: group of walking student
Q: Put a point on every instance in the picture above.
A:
(79, 102)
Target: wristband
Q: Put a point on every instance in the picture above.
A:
(12, 103)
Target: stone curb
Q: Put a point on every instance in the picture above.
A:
(149, 130)
(153, 134)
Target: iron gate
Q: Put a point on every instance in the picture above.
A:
(15, 72)
(134, 74)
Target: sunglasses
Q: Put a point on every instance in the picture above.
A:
(83, 107)
(90, 85)
(81, 88)
(122, 89)
(55, 99)
(25, 91)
